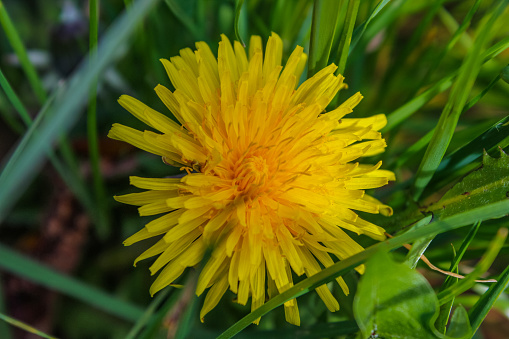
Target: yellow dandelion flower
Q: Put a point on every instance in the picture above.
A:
(270, 183)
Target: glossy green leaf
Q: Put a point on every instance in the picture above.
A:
(394, 301)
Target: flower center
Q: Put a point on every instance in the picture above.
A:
(252, 173)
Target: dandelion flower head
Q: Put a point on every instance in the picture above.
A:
(272, 179)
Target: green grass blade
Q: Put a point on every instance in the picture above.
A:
(149, 313)
(13, 98)
(359, 31)
(485, 303)
(483, 265)
(466, 153)
(346, 35)
(28, 268)
(404, 112)
(182, 16)
(419, 246)
(103, 229)
(445, 309)
(63, 111)
(461, 219)
(5, 331)
(23, 326)
(155, 323)
(19, 49)
(323, 27)
(238, 8)
(451, 113)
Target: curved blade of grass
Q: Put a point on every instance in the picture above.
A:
(483, 265)
(103, 229)
(457, 99)
(323, 27)
(238, 8)
(23, 326)
(484, 304)
(346, 35)
(19, 49)
(38, 273)
(488, 211)
(63, 112)
(404, 112)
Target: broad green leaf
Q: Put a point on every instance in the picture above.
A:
(394, 301)
(488, 184)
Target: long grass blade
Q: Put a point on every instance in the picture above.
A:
(483, 265)
(103, 229)
(323, 27)
(19, 49)
(28, 268)
(25, 327)
(481, 308)
(404, 112)
(451, 113)
(63, 112)
(346, 35)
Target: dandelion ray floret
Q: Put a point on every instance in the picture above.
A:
(272, 179)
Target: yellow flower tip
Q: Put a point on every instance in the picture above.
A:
(271, 179)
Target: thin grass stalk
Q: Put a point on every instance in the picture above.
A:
(93, 143)
(20, 50)
(346, 35)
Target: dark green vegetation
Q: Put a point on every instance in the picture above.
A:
(438, 69)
